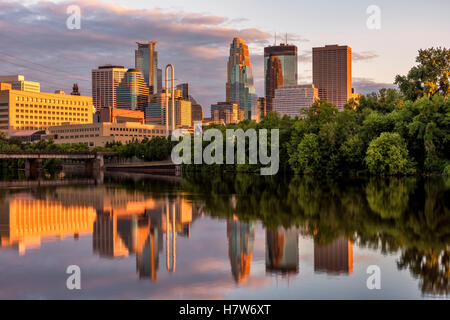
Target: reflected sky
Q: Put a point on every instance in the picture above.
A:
(117, 232)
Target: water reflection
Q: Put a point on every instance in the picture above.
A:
(146, 219)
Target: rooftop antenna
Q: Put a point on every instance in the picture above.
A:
(275, 38)
(286, 38)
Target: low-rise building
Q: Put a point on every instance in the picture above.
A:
(18, 82)
(99, 134)
(27, 110)
(289, 100)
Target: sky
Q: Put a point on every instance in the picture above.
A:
(195, 36)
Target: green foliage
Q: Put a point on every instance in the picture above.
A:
(429, 77)
(388, 155)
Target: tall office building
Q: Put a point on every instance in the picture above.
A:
(105, 81)
(132, 92)
(239, 87)
(290, 100)
(18, 82)
(332, 73)
(146, 61)
(280, 69)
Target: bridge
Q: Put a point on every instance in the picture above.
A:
(94, 161)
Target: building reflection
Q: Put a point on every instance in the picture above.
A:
(334, 258)
(25, 222)
(121, 223)
(282, 251)
(241, 236)
(118, 234)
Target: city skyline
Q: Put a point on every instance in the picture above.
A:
(191, 35)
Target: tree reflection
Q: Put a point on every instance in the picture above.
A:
(410, 214)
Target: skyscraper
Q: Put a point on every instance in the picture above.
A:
(332, 73)
(146, 61)
(132, 92)
(280, 69)
(105, 80)
(239, 87)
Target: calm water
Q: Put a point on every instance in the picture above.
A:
(228, 237)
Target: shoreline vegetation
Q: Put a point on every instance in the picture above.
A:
(389, 133)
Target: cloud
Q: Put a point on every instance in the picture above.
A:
(197, 44)
(364, 56)
(368, 85)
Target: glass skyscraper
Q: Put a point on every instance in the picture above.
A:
(146, 61)
(240, 88)
(280, 69)
(132, 92)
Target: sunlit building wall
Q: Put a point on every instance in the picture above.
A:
(240, 87)
(280, 69)
(26, 110)
(99, 134)
(18, 82)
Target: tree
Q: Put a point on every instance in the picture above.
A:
(308, 158)
(388, 155)
(429, 77)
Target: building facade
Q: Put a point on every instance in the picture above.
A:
(18, 82)
(226, 113)
(155, 113)
(105, 80)
(290, 100)
(332, 73)
(132, 92)
(26, 110)
(146, 61)
(239, 87)
(99, 134)
(280, 69)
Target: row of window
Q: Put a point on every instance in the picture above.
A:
(77, 130)
(51, 107)
(68, 102)
(57, 121)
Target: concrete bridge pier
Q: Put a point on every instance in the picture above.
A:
(93, 167)
(33, 168)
